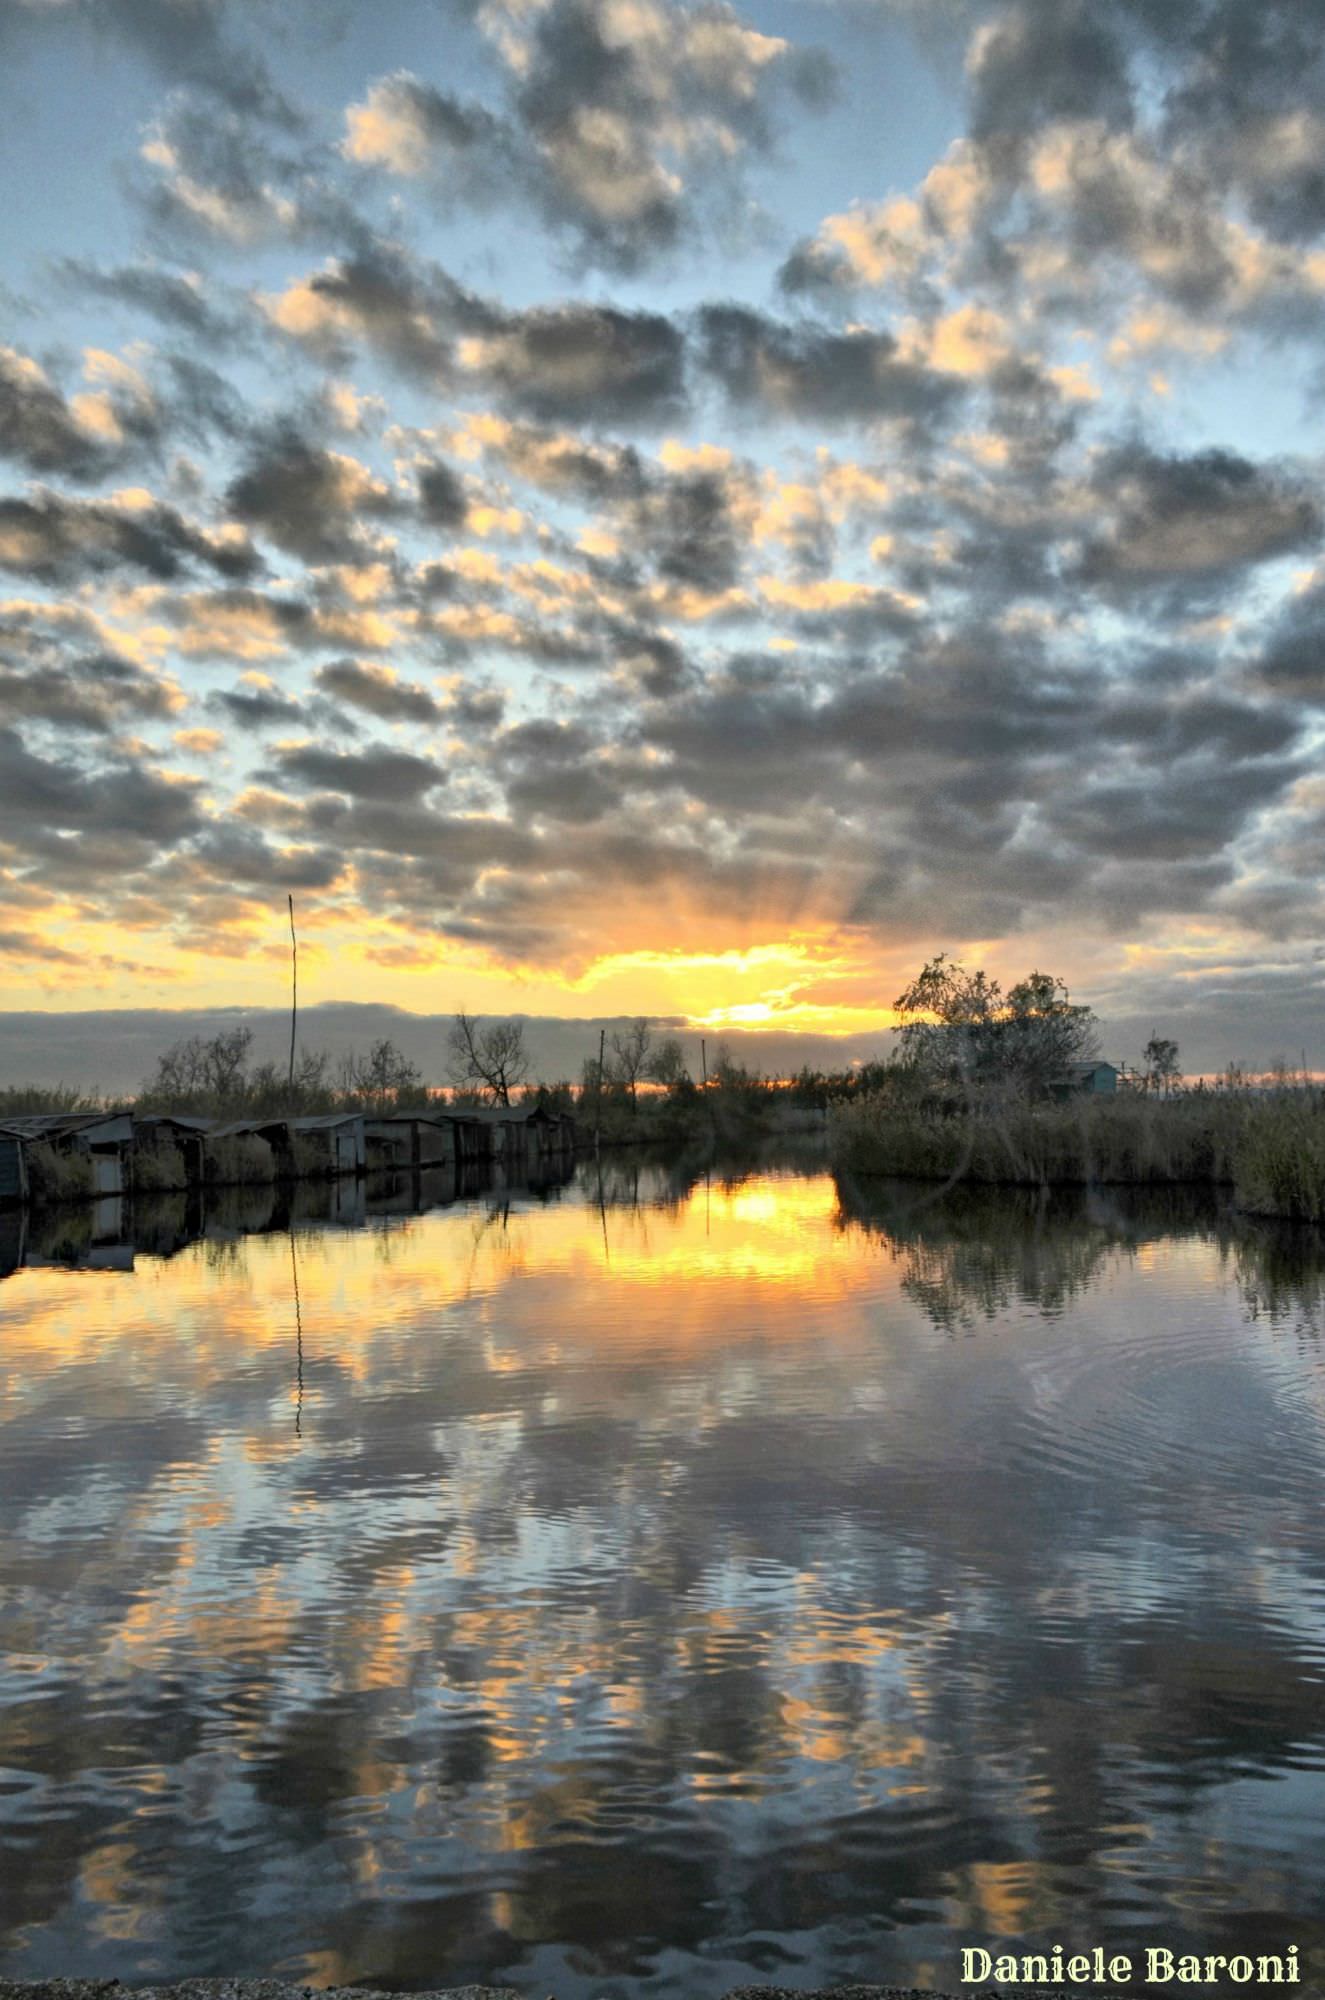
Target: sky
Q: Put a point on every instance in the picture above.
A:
(631, 507)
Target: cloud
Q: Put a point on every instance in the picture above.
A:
(257, 708)
(378, 691)
(187, 44)
(180, 300)
(1193, 521)
(97, 692)
(625, 120)
(377, 774)
(40, 429)
(1291, 663)
(131, 806)
(55, 538)
(384, 298)
(813, 374)
(1043, 62)
(442, 499)
(577, 363)
(316, 504)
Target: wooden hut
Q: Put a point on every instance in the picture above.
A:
(330, 1143)
(1086, 1079)
(391, 1141)
(238, 1152)
(105, 1138)
(13, 1165)
(157, 1131)
(431, 1138)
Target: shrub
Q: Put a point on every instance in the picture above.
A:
(239, 1159)
(157, 1167)
(54, 1175)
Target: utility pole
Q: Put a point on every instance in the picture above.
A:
(294, 989)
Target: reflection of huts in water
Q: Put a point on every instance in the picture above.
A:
(101, 1141)
(168, 1150)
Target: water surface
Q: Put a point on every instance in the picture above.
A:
(659, 1582)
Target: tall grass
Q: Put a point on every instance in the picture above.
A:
(19, 1100)
(1280, 1168)
(59, 1176)
(1270, 1150)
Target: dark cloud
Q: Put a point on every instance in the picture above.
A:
(573, 363)
(405, 310)
(243, 857)
(98, 692)
(585, 363)
(1041, 61)
(814, 374)
(689, 529)
(256, 708)
(42, 798)
(377, 692)
(1193, 521)
(1292, 662)
(219, 177)
(622, 130)
(178, 300)
(442, 500)
(475, 709)
(57, 538)
(549, 769)
(38, 428)
(309, 501)
(378, 774)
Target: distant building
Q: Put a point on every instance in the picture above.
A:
(1086, 1079)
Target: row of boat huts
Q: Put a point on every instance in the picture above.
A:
(123, 1150)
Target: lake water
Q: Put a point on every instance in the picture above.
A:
(658, 1582)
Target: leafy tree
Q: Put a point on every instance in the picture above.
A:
(494, 1058)
(1162, 1074)
(959, 1030)
(667, 1064)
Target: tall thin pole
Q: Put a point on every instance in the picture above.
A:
(598, 1101)
(294, 988)
(704, 1062)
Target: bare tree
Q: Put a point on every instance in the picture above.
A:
(380, 1077)
(494, 1057)
(226, 1060)
(197, 1071)
(630, 1053)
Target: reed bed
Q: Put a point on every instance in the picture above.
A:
(1270, 1151)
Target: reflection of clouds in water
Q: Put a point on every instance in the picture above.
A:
(715, 1589)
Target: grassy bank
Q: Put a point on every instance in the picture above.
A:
(1269, 1150)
